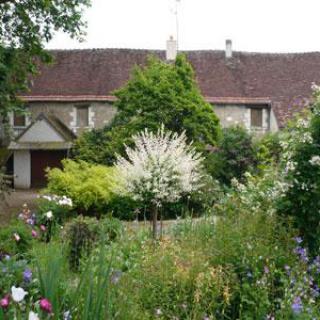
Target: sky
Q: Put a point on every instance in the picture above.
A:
(252, 25)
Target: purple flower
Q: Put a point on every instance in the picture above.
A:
(298, 240)
(4, 303)
(30, 221)
(302, 253)
(27, 275)
(115, 276)
(266, 270)
(45, 305)
(296, 305)
(34, 234)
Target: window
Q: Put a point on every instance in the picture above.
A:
(256, 117)
(83, 116)
(19, 120)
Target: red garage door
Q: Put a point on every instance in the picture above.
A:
(40, 160)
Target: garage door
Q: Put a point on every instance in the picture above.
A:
(40, 160)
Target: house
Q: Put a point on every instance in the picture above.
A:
(258, 90)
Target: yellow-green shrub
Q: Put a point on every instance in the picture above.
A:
(89, 186)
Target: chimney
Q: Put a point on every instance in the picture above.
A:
(171, 53)
(228, 49)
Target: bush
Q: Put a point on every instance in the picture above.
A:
(61, 207)
(300, 164)
(82, 233)
(235, 155)
(268, 150)
(89, 186)
(15, 238)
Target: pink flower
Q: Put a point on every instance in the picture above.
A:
(43, 228)
(16, 237)
(4, 303)
(34, 233)
(45, 305)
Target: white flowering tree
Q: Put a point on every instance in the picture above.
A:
(159, 169)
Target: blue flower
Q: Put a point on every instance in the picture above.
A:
(297, 305)
(27, 275)
(298, 239)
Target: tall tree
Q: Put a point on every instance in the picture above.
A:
(25, 25)
(159, 93)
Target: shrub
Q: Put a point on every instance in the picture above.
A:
(234, 156)
(300, 164)
(61, 207)
(89, 186)
(15, 238)
(82, 233)
(268, 149)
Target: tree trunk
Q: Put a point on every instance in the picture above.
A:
(155, 221)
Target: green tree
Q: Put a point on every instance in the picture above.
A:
(158, 93)
(235, 154)
(25, 25)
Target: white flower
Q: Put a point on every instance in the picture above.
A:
(49, 215)
(16, 237)
(18, 294)
(64, 201)
(33, 316)
(160, 168)
(315, 161)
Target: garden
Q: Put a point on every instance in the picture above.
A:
(147, 222)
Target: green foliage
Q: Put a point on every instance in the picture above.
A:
(82, 233)
(26, 27)
(232, 267)
(13, 269)
(234, 156)
(89, 186)
(268, 149)
(158, 93)
(52, 271)
(92, 298)
(60, 212)
(301, 173)
(9, 243)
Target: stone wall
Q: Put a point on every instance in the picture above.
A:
(230, 115)
(100, 113)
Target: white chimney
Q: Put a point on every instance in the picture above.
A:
(171, 53)
(228, 49)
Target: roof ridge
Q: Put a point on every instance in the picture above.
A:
(236, 52)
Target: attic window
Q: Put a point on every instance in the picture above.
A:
(82, 116)
(19, 120)
(256, 117)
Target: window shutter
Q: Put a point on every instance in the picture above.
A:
(256, 117)
(19, 120)
(83, 116)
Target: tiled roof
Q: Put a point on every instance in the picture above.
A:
(283, 79)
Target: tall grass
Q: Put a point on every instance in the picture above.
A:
(85, 295)
(52, 269)
(91, 299)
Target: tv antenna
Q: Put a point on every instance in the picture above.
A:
(176, 13)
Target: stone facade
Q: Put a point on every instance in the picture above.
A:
(99, 114)
(241, 115)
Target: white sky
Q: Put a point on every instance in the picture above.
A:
(253, 25)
